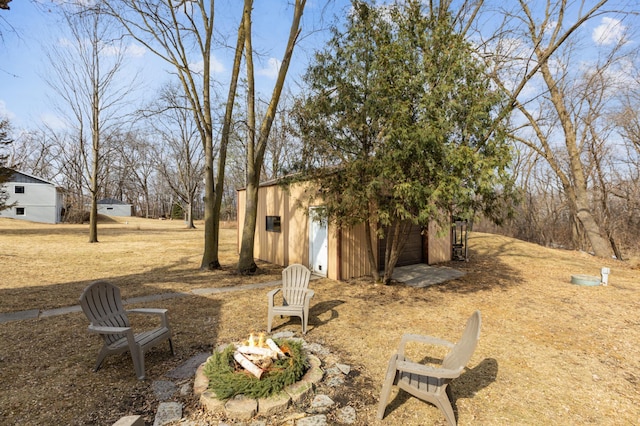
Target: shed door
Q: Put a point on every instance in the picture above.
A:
(318, 235)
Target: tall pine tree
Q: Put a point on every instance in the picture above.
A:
(395, 125)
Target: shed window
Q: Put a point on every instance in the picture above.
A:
(19, 211)
(19, 189)
(273, 224)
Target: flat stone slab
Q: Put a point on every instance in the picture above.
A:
(315, 373)
(241, 408)
(163, 389)
(275, 404)
(209, 400)
(19, 315)
(317, 420)
(346, 415)
(201, 382)
(189, 367)
(130, 421)
(168, 412)
(423, 275)
(321, 404)
(299, 390)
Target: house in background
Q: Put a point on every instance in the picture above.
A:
(113, 207)
(33, 198)
(288, 230)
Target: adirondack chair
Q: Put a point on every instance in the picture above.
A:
(295, 294)
(102, 304)
(426, 382)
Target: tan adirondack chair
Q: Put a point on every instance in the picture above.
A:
(426, 382)
(295, 294)
(102, 304)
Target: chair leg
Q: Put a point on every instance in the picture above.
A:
(389, 379)
(173, 353)
(269, 323)
(101, 356)
(137, 355)
(444, 404)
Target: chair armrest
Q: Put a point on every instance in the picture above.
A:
(427, 370)
(108, 330)
(271, 294)
(162, 313)
(406, 338)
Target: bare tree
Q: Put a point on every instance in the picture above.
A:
(182, 159)
(539, 50)
(169, 28)
(86, 69)
(257, 138)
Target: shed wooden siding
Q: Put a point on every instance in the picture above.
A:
(291, 245)
(346, 248)
(354, 261)
(438, 244)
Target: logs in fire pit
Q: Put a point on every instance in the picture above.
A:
(255, 368)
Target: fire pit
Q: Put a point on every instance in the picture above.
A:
(257, 368)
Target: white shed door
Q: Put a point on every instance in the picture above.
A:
(318, 235)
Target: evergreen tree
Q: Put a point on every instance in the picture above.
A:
(399, 125)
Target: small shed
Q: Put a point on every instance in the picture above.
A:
(288, 230)
(113, 207)
(32, 198)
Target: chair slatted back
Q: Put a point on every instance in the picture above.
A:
(461, 353)
(295, 282)
(102, 304)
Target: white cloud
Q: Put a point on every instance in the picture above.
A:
(53, 121)
(5, 112)
(271, 70)
(214, 63)
(135, 51)
(610, 31)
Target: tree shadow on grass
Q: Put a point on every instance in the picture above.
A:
(317, 315)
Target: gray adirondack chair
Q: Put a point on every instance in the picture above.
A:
(102, 304)
(295, 293)
(426, 382)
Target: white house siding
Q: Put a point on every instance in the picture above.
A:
(40, 202)
(112, 207)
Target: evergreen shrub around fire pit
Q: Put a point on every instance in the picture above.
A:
(227, 379)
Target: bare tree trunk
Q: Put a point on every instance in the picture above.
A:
(255, 152)
(396, 241)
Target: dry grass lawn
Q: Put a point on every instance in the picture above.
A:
(549, 352)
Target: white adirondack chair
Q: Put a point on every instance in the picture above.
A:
(102, 304)
(295, 294)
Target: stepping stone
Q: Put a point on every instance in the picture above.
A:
(163, 389)
(318, 420)
(321, 404)
(168, 412)
(344, 368)
(316, 348)
(346, 415)
(188, 368)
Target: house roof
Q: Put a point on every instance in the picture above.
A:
(23, 177)
(112, 201)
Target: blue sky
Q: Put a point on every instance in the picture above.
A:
(28, 28)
